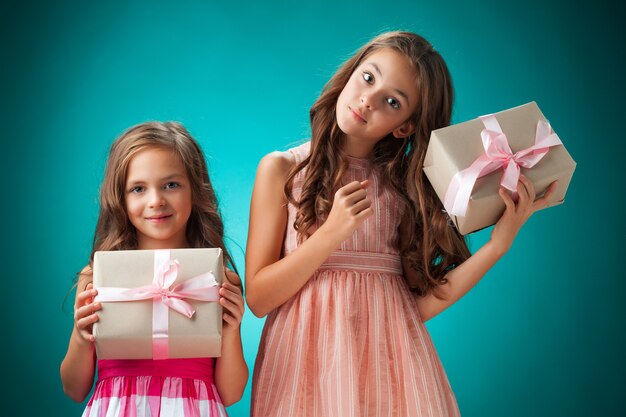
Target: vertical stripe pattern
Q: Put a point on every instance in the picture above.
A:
(350, 342)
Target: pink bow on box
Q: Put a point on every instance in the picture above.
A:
(203, 287)
(497, 155)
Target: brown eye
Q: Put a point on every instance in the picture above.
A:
(368, 77)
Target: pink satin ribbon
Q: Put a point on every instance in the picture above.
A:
(203, 287)
(497, 155)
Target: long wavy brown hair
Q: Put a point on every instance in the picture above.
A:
(434, 246)
(114, 230)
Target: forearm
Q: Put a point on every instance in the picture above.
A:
(78, 368)
(460, 280)
(466, 276)
(231, 371)
(276, 283)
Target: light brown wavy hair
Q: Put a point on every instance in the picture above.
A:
(435, 246)
(114, 230)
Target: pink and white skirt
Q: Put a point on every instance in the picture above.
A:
(174, 387)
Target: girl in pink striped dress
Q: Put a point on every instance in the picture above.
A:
(156, 194)
(349, 252)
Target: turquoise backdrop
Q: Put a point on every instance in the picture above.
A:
(541, 335)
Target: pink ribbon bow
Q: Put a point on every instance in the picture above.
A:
(497, 155)
(203, 287)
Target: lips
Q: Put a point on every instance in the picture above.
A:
(357, 115)
(159, 218)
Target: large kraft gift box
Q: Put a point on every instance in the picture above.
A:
(184, 278)
(452, 150)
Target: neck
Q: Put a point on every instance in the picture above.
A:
(357, 148)
(145, 243)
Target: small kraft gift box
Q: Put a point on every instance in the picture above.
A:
(467, 163)
(158, 304)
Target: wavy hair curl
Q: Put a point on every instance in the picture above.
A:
(434, 247)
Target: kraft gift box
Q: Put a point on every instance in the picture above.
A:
(455, 148)
(127, 330)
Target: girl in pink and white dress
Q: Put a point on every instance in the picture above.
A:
(156, 194)
(349, 252)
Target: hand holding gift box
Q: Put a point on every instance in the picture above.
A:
(468, 162)
(158, 304)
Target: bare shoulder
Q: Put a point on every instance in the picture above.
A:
(276, 164)
(271, 177)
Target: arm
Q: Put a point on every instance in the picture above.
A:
(270, 280)
(231, 371)
(78, 366)
(465, 276)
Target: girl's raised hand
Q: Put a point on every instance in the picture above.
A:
(85, 313)
(350, 208)
(231, 300)
(515, 215)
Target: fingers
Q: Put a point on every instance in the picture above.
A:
(232, 292)
(528, 203)
(85, 317)
(232, 277)
(508, 201)
(85, 297)
(84, 326)
(356, 196)
(522, 193)
(360, 206)
(232, 321)
(85, 312)
(364, 214)
(348, 211)
(529, 187)
(551, 189)
(232, 301)
(352, 187)
(231, 308)
(544, 201)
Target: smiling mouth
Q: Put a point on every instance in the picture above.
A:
(159, 219)
(357, 116)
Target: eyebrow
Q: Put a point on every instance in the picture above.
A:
(169, 177)
(172, 176)
(400, 92)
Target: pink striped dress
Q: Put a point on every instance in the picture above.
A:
(351, 342)
(150, 388)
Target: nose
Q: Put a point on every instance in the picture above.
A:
(156, 199)
(365, 100)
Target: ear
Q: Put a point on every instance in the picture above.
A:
(404, 130)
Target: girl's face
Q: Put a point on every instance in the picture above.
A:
(378, 99)
(158, 199)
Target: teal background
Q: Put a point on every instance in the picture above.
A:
(542, 334)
